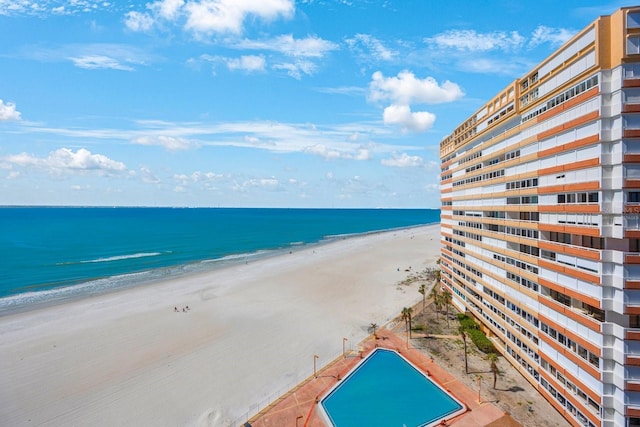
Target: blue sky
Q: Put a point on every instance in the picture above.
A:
(254, 103)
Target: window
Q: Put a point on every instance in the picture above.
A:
(633, 197)
(560, 237)
(578, 198)
(633, 45)
(562, 299)
(530, 216)
(593, 242)
(633, 20)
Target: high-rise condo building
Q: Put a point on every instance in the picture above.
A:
(540, 192)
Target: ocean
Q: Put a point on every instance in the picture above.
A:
(49, 254)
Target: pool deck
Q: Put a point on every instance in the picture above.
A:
(299, 406)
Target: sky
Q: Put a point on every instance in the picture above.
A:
(254, 103)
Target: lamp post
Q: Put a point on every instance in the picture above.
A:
(344, 340)
(315, 357)
(479, 386)
(407, 338)
(299, 417)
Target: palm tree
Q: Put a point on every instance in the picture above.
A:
(446, 301)
(406, 316)
(436, 299)
(373, 327)
(464, 340)
(493, 359)
(423, 290)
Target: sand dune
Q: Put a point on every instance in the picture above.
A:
(127, 358)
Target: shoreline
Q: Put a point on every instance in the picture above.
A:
(34, 300)
(127, 358)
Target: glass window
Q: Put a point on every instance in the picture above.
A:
(633, 20)
(633, 45)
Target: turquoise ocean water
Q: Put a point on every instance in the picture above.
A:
(52, 253)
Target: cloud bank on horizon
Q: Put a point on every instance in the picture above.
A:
(315, 103)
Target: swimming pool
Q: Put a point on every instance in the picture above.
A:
(385, 389)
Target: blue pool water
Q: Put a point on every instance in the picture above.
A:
(387, 390)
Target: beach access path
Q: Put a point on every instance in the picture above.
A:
(249, 335)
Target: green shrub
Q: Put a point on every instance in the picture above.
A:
(472, 329)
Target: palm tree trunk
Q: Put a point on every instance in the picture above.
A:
(466, 365)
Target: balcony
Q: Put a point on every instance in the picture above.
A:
(632, 334)
(584, 317)
(632, 385)
(632, 410)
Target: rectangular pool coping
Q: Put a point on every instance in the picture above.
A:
(438, 421)
(299, 405)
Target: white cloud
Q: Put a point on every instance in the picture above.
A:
(8, 112)
(308, 47)
(470, 40)
(297, 57)
(343, 90)
(553, 36)
(406, 89)
(297, 69)
(250, 63)
(408, 120)
(403, 161)
(137, 21)
(44, 7)
(148, 176)
(93, 62)
(64, 159)
(370, 47)
(363, 154)
(324, 151)
(228, 16)
(169, 142)
(329, 153)
(271, 184)
(504, 66)
(204, 17)
(167, 9)
(271, 136)
(197, 177)
(247, 63)
(92, 55)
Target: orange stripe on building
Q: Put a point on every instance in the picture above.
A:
(589, 117)
(579, 143)
(568, 104)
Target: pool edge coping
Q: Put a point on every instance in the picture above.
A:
(439, 421)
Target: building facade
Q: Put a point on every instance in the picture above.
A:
(540, 193)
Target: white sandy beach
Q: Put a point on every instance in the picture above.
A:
(127, 358)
